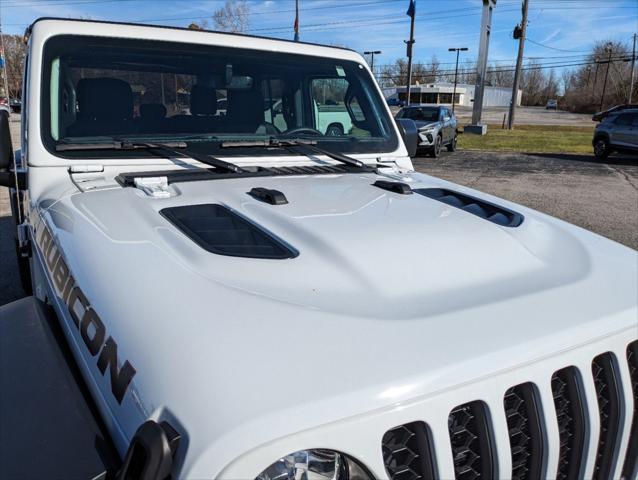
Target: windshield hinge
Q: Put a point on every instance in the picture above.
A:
(156, 187)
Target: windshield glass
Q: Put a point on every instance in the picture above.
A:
(98, 88)
(423, 114)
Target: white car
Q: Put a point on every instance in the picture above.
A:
(217, 296)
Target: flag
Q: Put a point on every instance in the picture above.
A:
(411, 9)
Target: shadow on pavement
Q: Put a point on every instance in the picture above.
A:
(579, 157)
(10, 288)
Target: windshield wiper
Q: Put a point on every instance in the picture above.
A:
(170, 148)
(293, 145)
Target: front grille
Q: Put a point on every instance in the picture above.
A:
(608, 395)
(570, 415)
(630, 467)
(525, 432)
(407, 452)
(471, 442)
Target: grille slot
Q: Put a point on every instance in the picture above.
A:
(481, 208)
(570, 415)
(407, 452)
(471, 442)
(608, 394)
(630, 467)
(219, 230)
(525, 431)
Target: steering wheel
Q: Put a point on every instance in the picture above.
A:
(308, 130)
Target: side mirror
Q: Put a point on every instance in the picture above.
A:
(7, 178)
(410, 134)
(6, 150)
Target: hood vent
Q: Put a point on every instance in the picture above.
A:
(219, 230)
(489, 211)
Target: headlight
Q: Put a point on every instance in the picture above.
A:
(315, 465)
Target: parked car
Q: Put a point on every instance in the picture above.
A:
(395, 102)
(599, 116)
(437, 127)
(16, 105)
(617, 132)
(213, 297)
(551, 105)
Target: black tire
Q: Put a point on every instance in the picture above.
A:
(334, 130)
(601, 148)
(452, 145)
(436, 148)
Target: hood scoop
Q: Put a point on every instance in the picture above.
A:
(487, 210)
(218, 229)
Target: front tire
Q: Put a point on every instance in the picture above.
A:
(601, 148)
(334, 130)
(436, 149)
(452, 145)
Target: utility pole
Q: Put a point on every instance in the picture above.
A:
(296, 25)
(484, 45)
(410, 43)
(519, 63)
(372, 54)
(609, 51)
(633, 71)
(456, 71)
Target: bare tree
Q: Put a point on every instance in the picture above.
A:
(232, 17)
(15, 52)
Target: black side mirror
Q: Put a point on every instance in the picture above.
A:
(7, 178)
(6, 150)
(410, 134)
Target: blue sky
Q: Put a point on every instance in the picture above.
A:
(569, 27)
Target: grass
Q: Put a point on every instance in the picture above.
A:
(531, 139)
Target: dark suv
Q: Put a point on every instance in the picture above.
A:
(618, 132)
(436, 125)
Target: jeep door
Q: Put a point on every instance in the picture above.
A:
(447, 128)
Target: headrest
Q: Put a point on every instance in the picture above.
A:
(105, 99)
(247, 105)
(203, 100)
(152, 111)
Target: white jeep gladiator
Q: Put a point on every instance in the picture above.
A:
(217, 295)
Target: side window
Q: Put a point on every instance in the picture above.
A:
(273, 93)
(634, 122)
(624, 119)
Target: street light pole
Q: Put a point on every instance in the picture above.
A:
(372, 53)
(456, 71)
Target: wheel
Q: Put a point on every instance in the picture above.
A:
(601, 148)
(452, 145)
(436, 149)
(334, 130)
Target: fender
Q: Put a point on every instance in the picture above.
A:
(96, 339)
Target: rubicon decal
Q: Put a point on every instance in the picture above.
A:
(86, 319)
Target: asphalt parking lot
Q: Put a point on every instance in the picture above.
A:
(601, 197)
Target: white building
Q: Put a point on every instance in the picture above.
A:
(441, 93)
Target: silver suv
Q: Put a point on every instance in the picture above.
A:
(617, 132)
(436, 126)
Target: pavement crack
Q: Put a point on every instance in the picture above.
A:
(624, 175)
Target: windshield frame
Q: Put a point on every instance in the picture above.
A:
(388, 144)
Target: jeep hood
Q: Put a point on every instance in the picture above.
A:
(387, 296)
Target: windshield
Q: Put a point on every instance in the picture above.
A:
(421, 114)
(100, 88)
